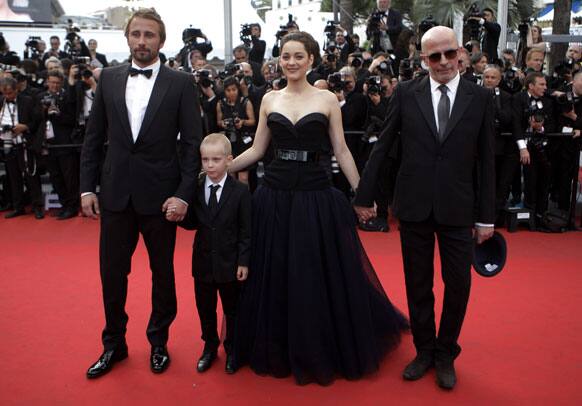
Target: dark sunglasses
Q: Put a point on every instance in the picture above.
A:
(436, 57)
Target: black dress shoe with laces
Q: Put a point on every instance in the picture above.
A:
(14, 213)
(206, 360)
(159, 359)
(105, 362)
(446, 377)
(418, 367)
(229, 367)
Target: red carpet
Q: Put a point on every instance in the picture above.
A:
(521, 339)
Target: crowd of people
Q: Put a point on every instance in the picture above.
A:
(46, 100)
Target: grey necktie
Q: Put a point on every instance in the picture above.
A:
(443, 110)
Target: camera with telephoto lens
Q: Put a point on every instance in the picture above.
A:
(71, 39)
(230, 69)
(52, 101)
(230, 129)
(385, 67)
(374, 22)
(472, 22)
(565, 101)
(374, 84)
(330, 29)
(536, 111)
(83, 63)
(336, 82)
(406, 69)
(523, 28)
(203, 77)
(357, 60)
(190, 35)
(31, 47)
(246, 34)
(284, 29)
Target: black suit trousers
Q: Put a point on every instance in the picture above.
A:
(456, 250)
(505, 165)
(206, 301)
(119, 235)
(64, 174)
(536, 177)
(14, 169)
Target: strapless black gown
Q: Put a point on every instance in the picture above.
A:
(313, 305)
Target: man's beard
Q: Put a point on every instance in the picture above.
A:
(144, 55)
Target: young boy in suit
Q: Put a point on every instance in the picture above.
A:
(221, 214)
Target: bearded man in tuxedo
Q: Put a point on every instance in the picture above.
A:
(146, 184)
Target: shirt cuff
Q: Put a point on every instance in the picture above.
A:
(211, 98)
(484, 225)
(521, 144)
(87, 194)
(186, 203)
(342, 103)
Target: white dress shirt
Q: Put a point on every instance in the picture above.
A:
(435, 93)
(137, 96)
(209, 183)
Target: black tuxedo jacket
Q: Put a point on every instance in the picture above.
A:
(520, 107)
(257, 52)
(102, 58)
(354, 111)
(504, 123)
(223, 240)
(437, 177)
(150, 170)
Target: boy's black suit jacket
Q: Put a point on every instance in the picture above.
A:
(223, 240)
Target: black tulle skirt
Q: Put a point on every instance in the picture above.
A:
(313, 305)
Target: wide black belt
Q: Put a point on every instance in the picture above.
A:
(296, 155)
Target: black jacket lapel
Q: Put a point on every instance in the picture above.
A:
(424, 100)
(462, 101)
(159, 91)
(120, 82)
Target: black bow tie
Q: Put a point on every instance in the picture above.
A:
(146, 72)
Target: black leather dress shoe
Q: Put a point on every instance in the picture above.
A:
(229, 366)
(445, 374)
(38, 214)
(159, 359)
(418, 367)
(105, 362)
(205, 361)
(67, 214)
(14, 213)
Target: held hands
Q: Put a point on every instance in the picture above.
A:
(365, 213)
(90, 206)
(482, 233)
(524, 156)
(175, 209)
(242, 272)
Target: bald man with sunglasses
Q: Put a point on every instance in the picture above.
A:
(446, 127)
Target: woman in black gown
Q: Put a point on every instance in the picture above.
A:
(312, 306)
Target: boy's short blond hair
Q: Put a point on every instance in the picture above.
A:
(217, 139)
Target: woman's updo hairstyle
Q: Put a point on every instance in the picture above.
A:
(310, 45)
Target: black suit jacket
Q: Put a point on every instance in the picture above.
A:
(102, 58)
(437, 177)
(503, 124)
(491, 40)
(223, 240)
(28, 114)
(150, 170)
(257, 52)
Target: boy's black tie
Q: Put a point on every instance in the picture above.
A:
(213, 201)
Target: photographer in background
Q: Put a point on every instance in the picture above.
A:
(55, 49)
(19, 120)
(565, 151)
(59, 113)
(533, 116)
(97, 60)
(205, 79)
(241, 54)
(375, 88)
(383, 27)
(235, 115)
(258, 46)
(7, 57)
(190, 38)
(344, 43)
(488, 34)
(506, 152)
(290, 27)
(81, 84)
